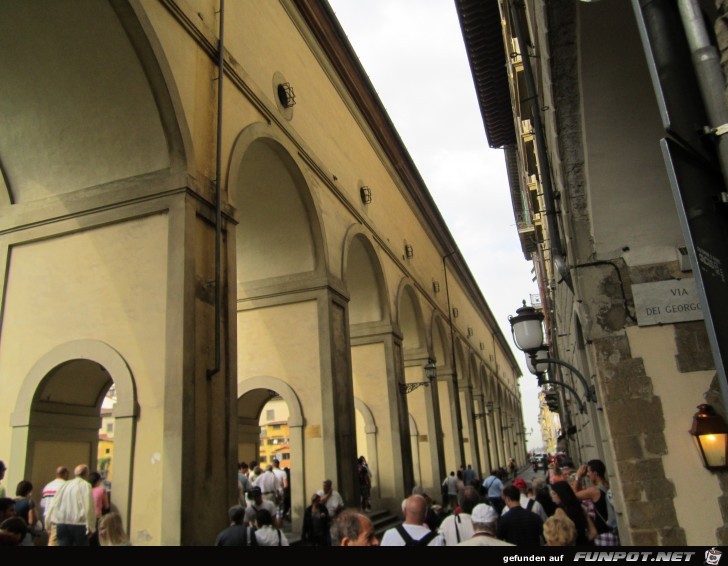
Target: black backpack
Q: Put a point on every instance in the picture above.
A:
(409, 541)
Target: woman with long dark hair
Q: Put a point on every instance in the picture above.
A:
(566, 499)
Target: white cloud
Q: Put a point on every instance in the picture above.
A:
(414, 55)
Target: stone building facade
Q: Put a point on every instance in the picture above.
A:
(204, 232)
(621, 302)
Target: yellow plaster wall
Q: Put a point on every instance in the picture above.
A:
(108, 283)
(267, 347)
(680, 394)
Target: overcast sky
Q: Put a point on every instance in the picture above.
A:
(414, 55)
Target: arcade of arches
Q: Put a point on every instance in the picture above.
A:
(333, 304)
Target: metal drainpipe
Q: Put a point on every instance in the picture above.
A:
(706, 62)
(543, 158)
(218, 200)
(458, 416)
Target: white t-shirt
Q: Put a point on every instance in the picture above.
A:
(268, 536)
(393, 538)
(464, 524)
(333, 502)
(250, 512)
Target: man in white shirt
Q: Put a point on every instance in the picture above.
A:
(46, 498)
(457, 528)
(257, 504)
(333, 501)
(268, 484)
(49, 491)
(73, 511)
(282, 480)
(412, 532)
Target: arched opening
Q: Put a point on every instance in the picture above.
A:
(276, 236)
(411, 323)
(270, 426)
(371, 352)
(58, 417)
(364, 280)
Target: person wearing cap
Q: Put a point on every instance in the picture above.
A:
(485, 520)
(525, 501)
(237, 533)
(258, 504)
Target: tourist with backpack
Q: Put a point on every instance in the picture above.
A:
(413, 532)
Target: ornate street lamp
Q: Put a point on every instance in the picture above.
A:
(528, 336)
(527, 329)
(430, 373)
(710, 433)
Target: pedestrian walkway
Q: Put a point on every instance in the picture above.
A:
(527, 473)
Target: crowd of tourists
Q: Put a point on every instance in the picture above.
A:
(72, 512)
(566, 506)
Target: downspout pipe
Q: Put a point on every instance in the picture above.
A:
(218, 199)
(543, 158)
(706, 61)
(458, 416)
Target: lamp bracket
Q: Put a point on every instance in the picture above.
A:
(407, 388)
(590, 392)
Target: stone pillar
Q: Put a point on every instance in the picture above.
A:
(434, 433)
(501, 436)
(484, 464)
(467, 409)
(337, 396)
(454, 450)
(378, 370)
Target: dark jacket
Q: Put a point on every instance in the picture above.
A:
(322, 538)
(520, 527)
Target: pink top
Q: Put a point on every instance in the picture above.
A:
(98, 493)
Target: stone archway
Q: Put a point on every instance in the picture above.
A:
(56, 415)
(253, 394)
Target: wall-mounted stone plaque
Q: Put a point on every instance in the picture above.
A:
(665, 302)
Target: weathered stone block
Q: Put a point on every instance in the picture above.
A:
(673, 537)
(723, 506)
(628, 447)
(655, 443)
(658, 489)
(631, 491)
(619, 421)
(721, 534)
(650, 415)
(693, 348)
(659, 514)
(611, 350)
(641, 470)
(644, 538)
